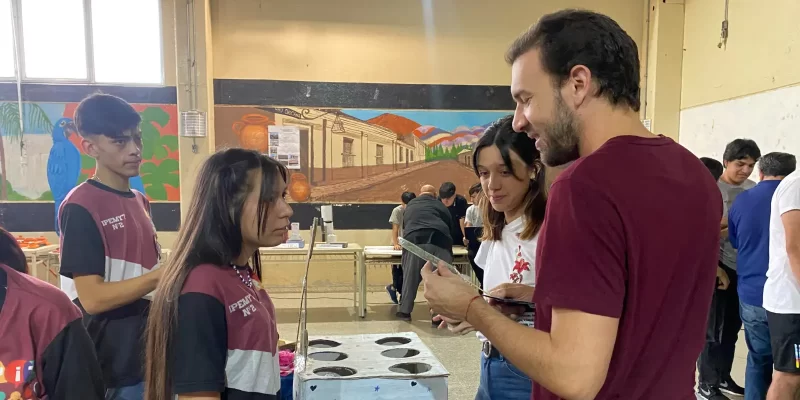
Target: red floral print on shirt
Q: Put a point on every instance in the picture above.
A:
(520, 267)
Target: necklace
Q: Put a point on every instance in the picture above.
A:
(94, 177)
(248, 280)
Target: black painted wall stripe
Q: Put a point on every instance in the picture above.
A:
(75, 93)
(361, 95)
(39, 217)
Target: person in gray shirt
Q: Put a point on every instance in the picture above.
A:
(724, 323)
(396, 219)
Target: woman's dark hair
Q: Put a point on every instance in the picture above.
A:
(211, 234)
(11, 254)
(502, 135)
(579, 37)
(476, 188)
(714, 166)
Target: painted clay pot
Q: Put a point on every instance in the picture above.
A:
(299, 188)
(252, 132)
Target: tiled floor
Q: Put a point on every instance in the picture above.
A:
(332, 314)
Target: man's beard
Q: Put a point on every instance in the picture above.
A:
(561, 146)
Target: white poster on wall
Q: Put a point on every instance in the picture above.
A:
(284, 145)
(647, 124)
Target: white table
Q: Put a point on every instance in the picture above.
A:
(40, 256)
(354, 250)
(374, 255)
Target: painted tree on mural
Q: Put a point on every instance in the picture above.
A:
(11, 129)
(158, 169)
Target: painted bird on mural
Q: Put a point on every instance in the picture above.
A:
(64, 163)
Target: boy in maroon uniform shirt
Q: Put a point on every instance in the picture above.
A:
(626, 254)
(109, 249)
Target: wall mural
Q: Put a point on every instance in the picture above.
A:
(360, 155)
(45, 161)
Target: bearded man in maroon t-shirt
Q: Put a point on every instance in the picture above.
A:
(627, 253)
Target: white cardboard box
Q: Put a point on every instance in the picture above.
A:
(377, 366)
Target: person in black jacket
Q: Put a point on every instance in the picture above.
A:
(426, 223)
(45, 352)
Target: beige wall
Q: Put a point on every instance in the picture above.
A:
(168, 40)
(383, 40)
(762, 53)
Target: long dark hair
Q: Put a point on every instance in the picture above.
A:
(211, 234)
(501, 134)
(11, 254)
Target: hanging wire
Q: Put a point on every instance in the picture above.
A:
(15, 18)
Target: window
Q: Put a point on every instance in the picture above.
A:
(400, 153)
(53, 42)
(111, 41)
(6, 41)
(127, 50)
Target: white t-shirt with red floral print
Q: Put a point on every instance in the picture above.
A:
(509, 260)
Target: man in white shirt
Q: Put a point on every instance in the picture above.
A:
(782, 290)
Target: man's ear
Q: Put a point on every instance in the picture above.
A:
(89, 147)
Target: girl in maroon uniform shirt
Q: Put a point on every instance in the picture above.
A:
(45, 352)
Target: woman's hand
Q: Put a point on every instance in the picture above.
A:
(455, 327)
(514, 291)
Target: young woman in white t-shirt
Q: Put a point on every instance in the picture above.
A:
(513, 204)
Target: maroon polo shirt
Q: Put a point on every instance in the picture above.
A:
(226, 339)
(45, 351)
(631, 232)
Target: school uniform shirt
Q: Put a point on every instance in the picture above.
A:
(226, 337)
(45, 352)
(109, 233)
(509, 260)
(782, 290)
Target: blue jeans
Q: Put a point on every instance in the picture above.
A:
(502, 380)
(134, 392)
(758, 373)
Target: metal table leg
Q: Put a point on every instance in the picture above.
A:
(362, 264)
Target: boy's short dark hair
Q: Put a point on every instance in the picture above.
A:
(740, 149)
(447, 190)
(714, 166)
(777, 164)
(407, 196)
(476, 188)
(104, 114)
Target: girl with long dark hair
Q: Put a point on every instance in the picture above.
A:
(211, 333)
(512, 177)
(45, 351)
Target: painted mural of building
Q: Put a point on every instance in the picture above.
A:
(337, 148)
